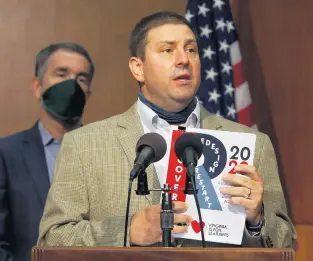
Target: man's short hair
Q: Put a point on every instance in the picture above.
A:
(43, 57)
(138, 38)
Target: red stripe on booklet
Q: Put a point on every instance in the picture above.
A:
(176, 173)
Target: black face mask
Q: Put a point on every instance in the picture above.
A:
(65, 101)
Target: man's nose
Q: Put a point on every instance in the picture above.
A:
(182, 58)
(73, 77)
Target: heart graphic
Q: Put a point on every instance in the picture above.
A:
(196, 226)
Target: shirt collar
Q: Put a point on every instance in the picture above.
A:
(46, 137)
(152, 121)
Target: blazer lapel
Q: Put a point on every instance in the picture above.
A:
(129, 130)
(209, 121)
(34, 156)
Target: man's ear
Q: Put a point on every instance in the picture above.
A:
(136, 68)
(88, 94)
(37, 88)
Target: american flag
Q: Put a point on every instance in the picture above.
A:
(224, 89)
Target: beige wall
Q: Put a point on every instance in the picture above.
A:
(102, 26)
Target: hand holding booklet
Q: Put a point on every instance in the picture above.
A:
(222, 151)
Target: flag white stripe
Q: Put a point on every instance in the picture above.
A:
(242, 96)
(235, 54)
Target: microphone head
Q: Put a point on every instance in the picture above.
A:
(154, 141)
(187, 140)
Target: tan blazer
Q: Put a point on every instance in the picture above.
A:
(86, 203)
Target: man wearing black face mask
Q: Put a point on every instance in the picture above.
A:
(63, 74)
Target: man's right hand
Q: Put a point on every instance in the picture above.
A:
(145, 227)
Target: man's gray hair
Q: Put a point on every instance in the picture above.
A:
(43, 57)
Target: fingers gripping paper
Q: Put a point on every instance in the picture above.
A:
(222, 151)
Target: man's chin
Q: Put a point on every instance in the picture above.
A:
(182, 102)
(68, 123)
(184, 99)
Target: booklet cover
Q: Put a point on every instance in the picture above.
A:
(222, 151)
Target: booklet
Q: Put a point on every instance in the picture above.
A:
(222, 151)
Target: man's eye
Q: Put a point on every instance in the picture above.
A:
(61, 74)
(167, 50)
(83, 80)
(191, 50)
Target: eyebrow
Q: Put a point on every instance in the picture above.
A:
(62, 69)
(65, 69)
(87, 75)
(188, 41)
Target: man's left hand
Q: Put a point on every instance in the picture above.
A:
(246, 190)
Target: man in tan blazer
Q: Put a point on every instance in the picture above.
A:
(87, 200)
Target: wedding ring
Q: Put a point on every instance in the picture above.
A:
(249, 193)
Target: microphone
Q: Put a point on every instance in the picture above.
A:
(150, 148)
(188, 149)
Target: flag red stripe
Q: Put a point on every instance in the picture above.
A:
(245, 116)
(238, 74)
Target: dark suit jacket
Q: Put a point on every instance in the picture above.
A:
(24, 184)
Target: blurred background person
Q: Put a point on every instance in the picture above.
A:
(63, 75)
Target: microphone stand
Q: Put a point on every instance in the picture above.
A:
(142, 185)
(142, 189)
(188, 185)
(191, 178)
(130, 184)
(167, 216)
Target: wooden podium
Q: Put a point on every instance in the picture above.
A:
(159, 254)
